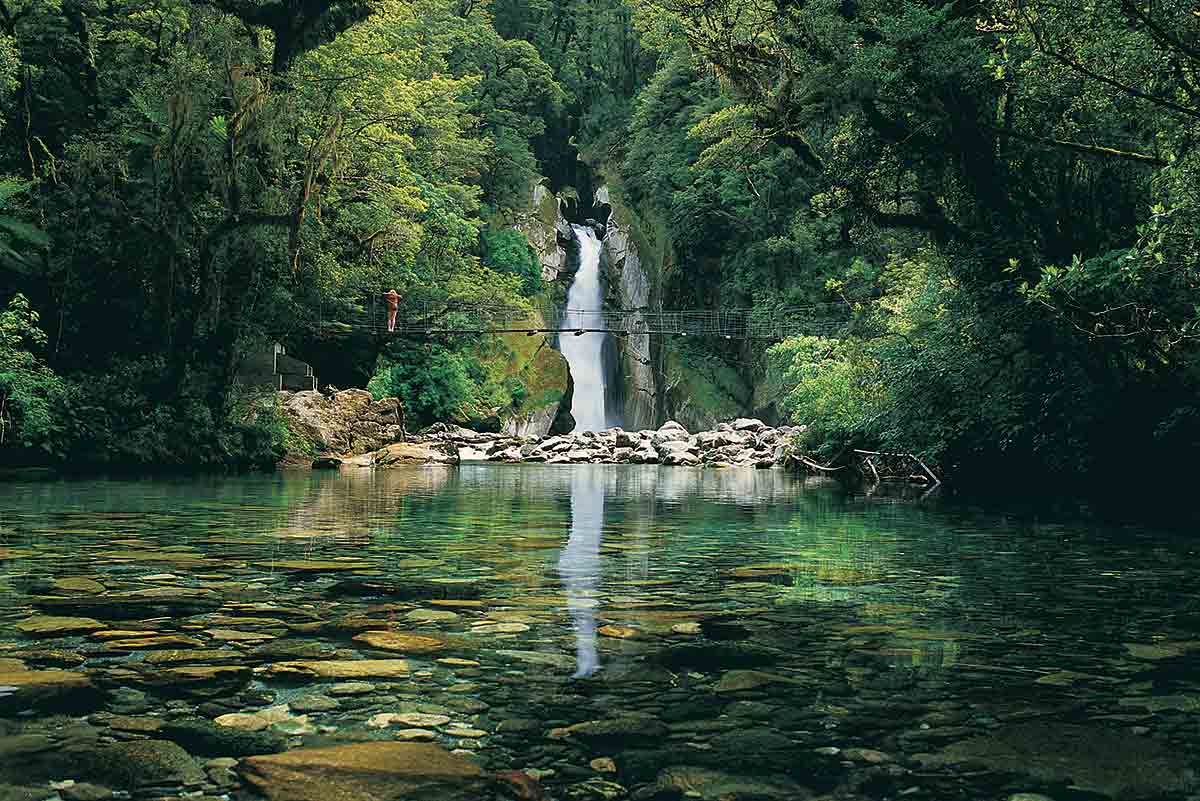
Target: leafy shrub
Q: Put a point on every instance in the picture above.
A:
(833, 388)
(516, 391)
(508, 251)
(431, 381)
(257, 434)
(31, 394)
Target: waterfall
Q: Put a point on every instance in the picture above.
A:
(584, 352)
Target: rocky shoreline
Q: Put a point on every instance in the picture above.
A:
(349, 429)
(744, 442)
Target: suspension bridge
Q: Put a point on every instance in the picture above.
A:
(276, 369)
(827, 319)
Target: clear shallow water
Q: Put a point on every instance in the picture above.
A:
(733, 634)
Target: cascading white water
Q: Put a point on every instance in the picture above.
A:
(584, 352)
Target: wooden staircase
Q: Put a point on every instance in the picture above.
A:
(272, 368)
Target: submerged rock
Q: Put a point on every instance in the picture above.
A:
(715, 656)
(313, 702)
(51, 626)
(338, 669)
(219, 739)
(46, 689)
(198, 680)
(1091, 758)
(137, 604)
(411, 719)
(142, 763)
(403, 590)
(712, 785)
(317, 565)
(619, 729)
(401, 641)
(377, 771)
(738, 680)
(561, 661)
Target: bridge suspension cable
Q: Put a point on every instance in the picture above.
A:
(761, 323)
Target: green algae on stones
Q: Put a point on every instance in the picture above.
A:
(318, 565)
(711, 785)
(141, 763)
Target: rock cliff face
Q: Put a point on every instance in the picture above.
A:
(629, 287)
(665, 377)
(345, 423)
(548, 232)
(535, 360)
(350, 428)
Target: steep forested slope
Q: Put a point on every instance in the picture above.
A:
(185, 181)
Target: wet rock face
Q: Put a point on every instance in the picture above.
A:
(629, 287)
(547, 230)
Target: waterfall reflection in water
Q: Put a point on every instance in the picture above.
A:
(910, 632)
(579, 566)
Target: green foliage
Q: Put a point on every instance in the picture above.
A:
(475, 385)
(29, 390)
(507, 251)
(597, 61)
(257, 432)
(204, 182)
(433, 383)
(118, 419)
(1005, 197)
(831, 387)
(18, 239)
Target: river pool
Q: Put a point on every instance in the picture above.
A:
(609, 632)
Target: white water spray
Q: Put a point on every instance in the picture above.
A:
(584, 352)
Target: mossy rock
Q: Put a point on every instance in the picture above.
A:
(203, 737)
(140, 763)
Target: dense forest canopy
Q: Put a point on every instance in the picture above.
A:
(1005, 194)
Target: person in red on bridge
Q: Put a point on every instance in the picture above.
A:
(393, 303)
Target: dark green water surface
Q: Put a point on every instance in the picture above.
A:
(614, 632)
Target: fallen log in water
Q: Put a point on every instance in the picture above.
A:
(926, 474)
